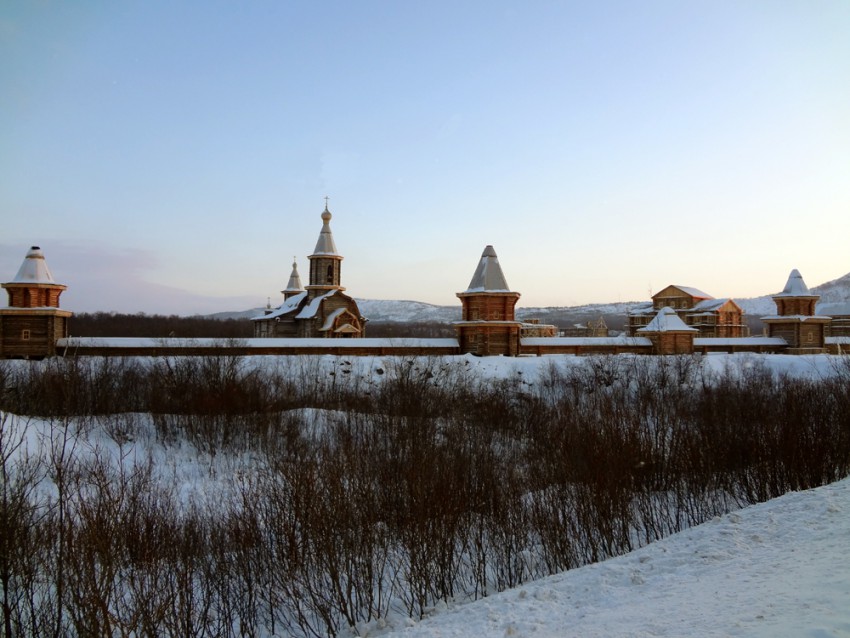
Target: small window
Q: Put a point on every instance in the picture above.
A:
(25, 335)
(330, 274)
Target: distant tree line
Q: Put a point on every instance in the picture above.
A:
(111, 324)
(360, 497)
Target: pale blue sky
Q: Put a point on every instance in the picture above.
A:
(181, 151)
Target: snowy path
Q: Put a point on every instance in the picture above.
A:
(781, 568)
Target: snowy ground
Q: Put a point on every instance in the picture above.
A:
(781, 568)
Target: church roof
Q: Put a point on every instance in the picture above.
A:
(290, 305)
(667, 321)
(795, 287)
(325, 245)
(294, 284)
(693, 292)
(488, 275)
(34, 270)
(309, 311)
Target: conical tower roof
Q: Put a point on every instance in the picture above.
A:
(294, 284)
(34, 270)
(325, 245)
(795, 287)
(488, 275)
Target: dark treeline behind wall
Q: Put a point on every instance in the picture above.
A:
(110, 324)
(367, 497)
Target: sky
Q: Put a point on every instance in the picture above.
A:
(174, 157)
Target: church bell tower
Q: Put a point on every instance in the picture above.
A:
(325, 262)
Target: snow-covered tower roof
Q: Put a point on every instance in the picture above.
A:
(34, 286)
(667, 321)
(326, 245)
(795, 287)
(34, 270)
(488, 276)
(293, 286)
(795, 299)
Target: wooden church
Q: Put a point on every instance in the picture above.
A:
(320, 309)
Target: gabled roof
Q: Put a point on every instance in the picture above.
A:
(795, 287)
(688, 290)
(294, 283)
(667, 321)
(34, 270)
(707, 305)
(325, 245)
(488, 275)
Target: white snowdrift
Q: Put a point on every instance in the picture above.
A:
(780, 568)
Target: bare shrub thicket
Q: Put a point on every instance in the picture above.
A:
(368, 497)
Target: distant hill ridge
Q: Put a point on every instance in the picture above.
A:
(408, 311)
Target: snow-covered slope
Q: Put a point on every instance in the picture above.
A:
(780, 568)
(407, 311)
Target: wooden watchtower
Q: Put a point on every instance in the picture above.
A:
(488, 325)
(33, 321)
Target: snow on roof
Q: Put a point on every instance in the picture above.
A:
(295, 343)
(34, 270)
(667, 321)
(329, 322)
(325, 245)
(795, 287)
(288, 306)
(309, 311)
(739, 341)
(693, 292)
(800, 318)
(836, 309)
(294, 283)
(709, 304)
(488, 276)
(585, 341)
(843, 341)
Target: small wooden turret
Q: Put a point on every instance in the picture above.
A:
(33, 321)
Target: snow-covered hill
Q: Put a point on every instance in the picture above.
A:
(779, 568)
